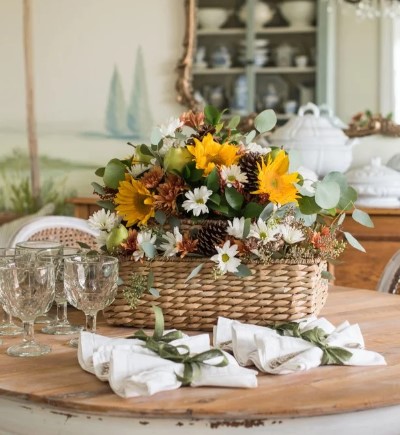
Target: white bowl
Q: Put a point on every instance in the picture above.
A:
(212, 18)
(298, 12)
(258, 43)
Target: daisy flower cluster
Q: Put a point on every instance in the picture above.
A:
(241, 198)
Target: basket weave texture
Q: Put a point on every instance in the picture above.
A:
(277, 291)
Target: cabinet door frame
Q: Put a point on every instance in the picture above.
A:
(326, 54)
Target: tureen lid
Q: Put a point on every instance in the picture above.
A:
(375, 179)
(309, 130)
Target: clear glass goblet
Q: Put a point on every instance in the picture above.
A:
(7, 326)
(28, 289)
(31, 248)
(61, 325)
(90, 285)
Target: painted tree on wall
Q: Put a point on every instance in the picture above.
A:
(116, 107)
(139, 118)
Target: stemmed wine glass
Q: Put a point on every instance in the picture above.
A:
(7, 326)
(90, 285)
(61, 325)
(28, 289)
(31, 248)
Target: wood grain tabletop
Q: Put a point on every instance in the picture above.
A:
(57, 380)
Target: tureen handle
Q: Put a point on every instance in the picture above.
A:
(309, 107)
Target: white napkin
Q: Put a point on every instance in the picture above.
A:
(273, 353)
(133, 370)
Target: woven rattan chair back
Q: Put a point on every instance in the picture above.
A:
(390, 278)
(64, 229)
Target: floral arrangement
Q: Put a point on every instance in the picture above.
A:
(240, 198)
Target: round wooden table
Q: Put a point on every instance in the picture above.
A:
(53, 395)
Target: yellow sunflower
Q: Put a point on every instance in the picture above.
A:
(208, 154)
(274, 180)
(134, 202)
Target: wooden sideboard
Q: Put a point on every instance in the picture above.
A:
(381, 242)
(356, 268)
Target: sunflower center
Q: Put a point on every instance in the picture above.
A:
(225, 258)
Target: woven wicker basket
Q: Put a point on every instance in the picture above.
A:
(280, 291)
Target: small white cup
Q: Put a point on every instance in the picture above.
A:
(301, 61)
(290, 107)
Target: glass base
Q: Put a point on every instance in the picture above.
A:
(74, 342)
(62, 329)
(28, 349)
(45, 319)
(10, 329)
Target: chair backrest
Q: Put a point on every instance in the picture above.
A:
(64, 229)
(390, 278)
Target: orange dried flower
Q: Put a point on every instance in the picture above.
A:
(193, 120)
(187, 245)
(130, 244)
(167, 194)
(153, 177)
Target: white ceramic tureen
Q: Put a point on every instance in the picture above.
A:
(322, 146)
(376, 185)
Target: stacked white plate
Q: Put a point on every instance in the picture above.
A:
(261, 52)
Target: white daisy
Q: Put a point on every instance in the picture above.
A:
(262, 231)
(233, 176)
(103, 220)
(226, 258)
(170, 248)
(290, 234)
(172, 125)
(143, 236)
(253, 147)
(236, 227)
(196, 200)
(138, 168)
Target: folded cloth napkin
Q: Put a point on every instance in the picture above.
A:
(134, 370)
(274, 353)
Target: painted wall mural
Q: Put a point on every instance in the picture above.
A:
(103, 75)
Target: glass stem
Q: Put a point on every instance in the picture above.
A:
(29, 331)
(3, 316)
(91, 322)
(9, 317)
(62, 314)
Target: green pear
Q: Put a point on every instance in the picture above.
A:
(176, 159)
(116, 237)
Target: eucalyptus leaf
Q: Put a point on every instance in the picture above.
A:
(353, 241)
(100, 172)
(265, 121)
(160, 217)
(212, 115)
(307, 205)
(213, 180)
(174, 222)
(347, 199)
(234, 198)
(362, 218)
(250, 136)
(327, 194)
(154, 292)
(341, 219)
(194, 272)
(246, 227)
(120, 281)
(252, 210)
(243, 271)
(267, 211)
(108, 205)
(149, 249)
(327, 275)
(114, 173)
(308, 219)
(98, 188)
(150, 280)
(234, 122)
(339, 178)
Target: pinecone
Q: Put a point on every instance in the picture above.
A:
(211, 234)
(201, 133)
(248, 165)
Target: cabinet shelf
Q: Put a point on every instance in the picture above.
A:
(286, 70)
(285, 30)
(214, 71)
(222, 32)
